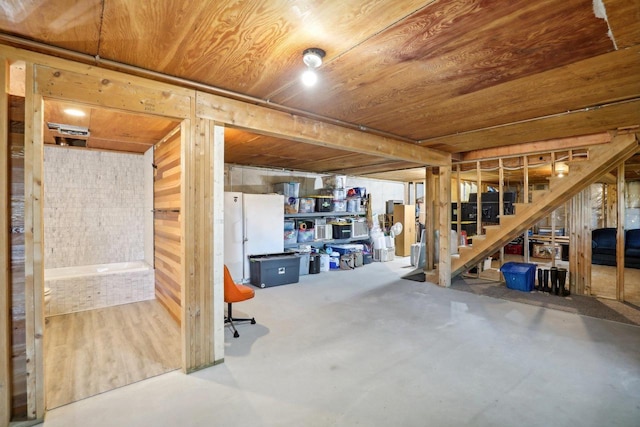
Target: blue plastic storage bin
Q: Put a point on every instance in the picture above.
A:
(519, 275)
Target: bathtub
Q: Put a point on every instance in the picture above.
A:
(96, 286)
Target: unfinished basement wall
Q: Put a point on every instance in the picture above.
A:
(258, 181)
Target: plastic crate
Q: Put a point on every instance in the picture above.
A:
(341, 230)
(288, 189)
(323, 204)
(274, 270)
(519, 276)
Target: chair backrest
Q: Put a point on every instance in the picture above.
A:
(231, 291)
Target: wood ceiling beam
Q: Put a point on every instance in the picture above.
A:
(266, 121)
(379, 168)
(582, 122)
(536, 147)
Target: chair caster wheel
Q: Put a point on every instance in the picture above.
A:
(236, 334)
(253, 321)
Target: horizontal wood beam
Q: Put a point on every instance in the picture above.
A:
(113, 90)
(266, 121)
(389, 167)
(547, 146)
(619, 115)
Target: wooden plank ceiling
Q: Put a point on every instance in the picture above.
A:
(457, 76)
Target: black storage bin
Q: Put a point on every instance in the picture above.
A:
(341, 231)
(323, 204)
(314, 264)
(274, 269)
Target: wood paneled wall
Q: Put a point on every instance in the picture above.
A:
(18, 336)
(167, 224)
(5, 249)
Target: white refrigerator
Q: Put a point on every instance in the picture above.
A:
(253, 225)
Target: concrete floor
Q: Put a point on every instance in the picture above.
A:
(364, 347)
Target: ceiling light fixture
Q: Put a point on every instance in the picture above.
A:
(312, 58)
(561, 169)
(74, 112)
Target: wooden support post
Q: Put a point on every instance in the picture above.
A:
(575, 242)
(479, 198)
(620, 235)
(34, 249)
(444, 207)
(525, 197)
(202, 265)
(217, 197)
(479, 207)
(586, 243)
(553, 238)
(501, 200)
(429, 203)
(458, 204)
(5, 252)
(579, 227)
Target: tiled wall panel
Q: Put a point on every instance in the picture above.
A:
(93, 208)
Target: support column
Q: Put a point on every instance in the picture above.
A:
(525, 199)
(34, 247)
(201, 312)
(620, 236)
(218, 242)
(501, 201)
(429, 203)
(444, 208)
(5, 257)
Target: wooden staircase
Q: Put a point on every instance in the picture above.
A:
(582, 173)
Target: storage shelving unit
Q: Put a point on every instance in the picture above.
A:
(315, 215)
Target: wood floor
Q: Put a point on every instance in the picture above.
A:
(94, 351)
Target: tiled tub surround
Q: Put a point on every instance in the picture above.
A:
(93, 207)
(95, 286)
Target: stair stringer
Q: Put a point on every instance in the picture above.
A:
(602, 159)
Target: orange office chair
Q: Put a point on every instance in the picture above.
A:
(234, 292)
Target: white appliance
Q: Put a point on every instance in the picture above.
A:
(253, 225)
